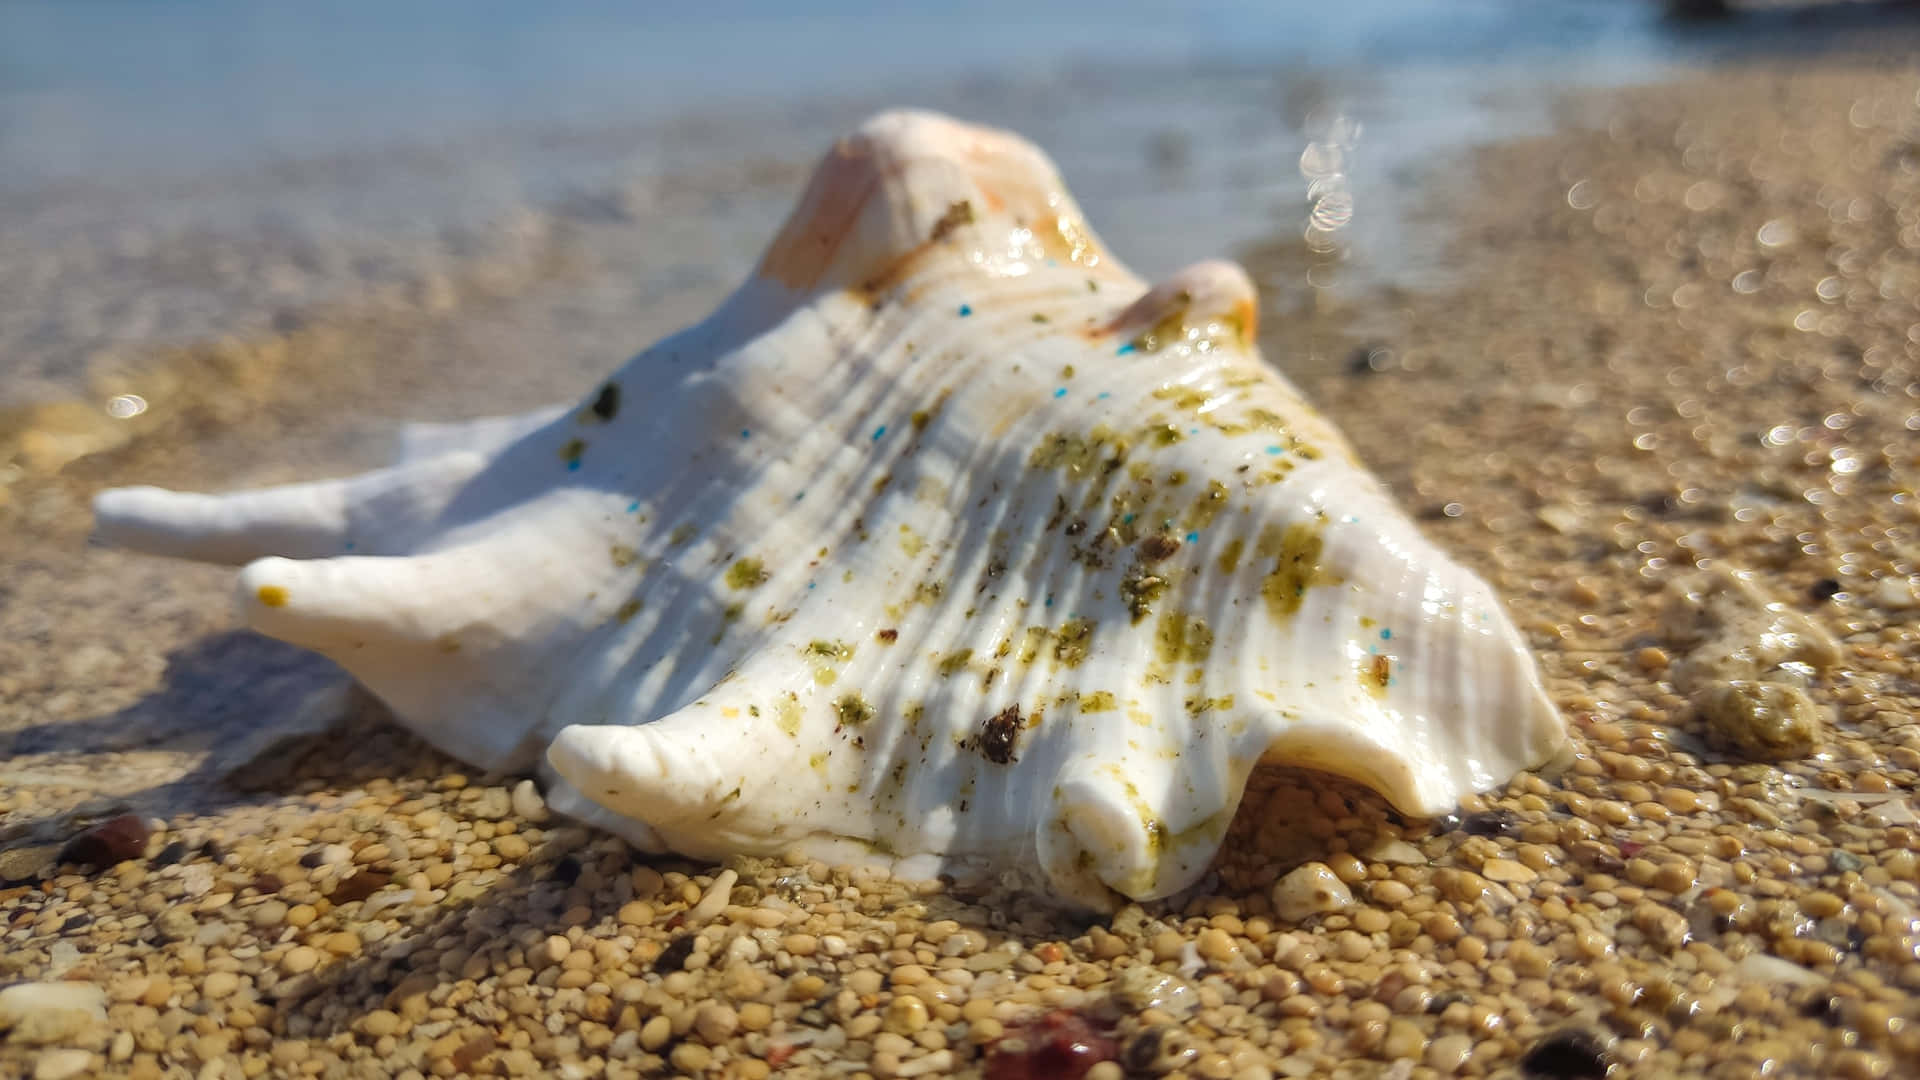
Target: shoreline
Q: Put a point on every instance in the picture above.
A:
(1615, 414)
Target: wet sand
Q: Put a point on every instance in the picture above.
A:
(1680, 335)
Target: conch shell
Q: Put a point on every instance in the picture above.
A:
(944, 541)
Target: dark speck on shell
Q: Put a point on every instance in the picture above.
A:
(999, 734)
(606, 405)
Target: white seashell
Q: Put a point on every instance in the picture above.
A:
(944, 540)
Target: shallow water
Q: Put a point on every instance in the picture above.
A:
(226, 170)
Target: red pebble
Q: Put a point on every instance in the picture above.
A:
(111, 841)
(1059, 1044)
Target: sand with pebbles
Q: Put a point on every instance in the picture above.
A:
(1683, 337)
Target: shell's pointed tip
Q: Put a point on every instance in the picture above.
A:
(263, 585)
(1215, 293)
(906, 182)
(643, 773)
(116, 509)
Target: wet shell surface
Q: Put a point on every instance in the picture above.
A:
(944, 541)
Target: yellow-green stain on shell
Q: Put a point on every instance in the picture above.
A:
(1183, 639)
(1077, 453)
(853, 710)
(1230, 555)
(628, 610)
(746, 574)
(788, 715)
(1182, 397)
(1206, 506)
(954, 662)
(572, 451)
(1198, 707)
(1163, 434)
(910, 541)
(832, 650)
(1296, 554)
(682, 533)
(1033, 643)
(1139, 588)
(1073, 641)
(272, 595)
(1098, 701)
(1376, 671)
(622, 555)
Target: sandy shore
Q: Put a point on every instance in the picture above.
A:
(1682, 338)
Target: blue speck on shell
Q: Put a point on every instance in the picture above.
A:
(1060, 393)
(1124, 349)
(1386, 634)
(1193, 538)
(879, 431)
(966, 310)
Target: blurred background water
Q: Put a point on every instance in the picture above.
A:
(175, 172)
(184, 174)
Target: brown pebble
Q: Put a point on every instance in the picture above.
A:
(112, 841)
(360, 886)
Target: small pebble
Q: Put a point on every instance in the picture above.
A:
(299, 959)
(1308, 890)
(62, 1064)
(112, 841)
(528, 804)
(39, 1013)
(716, 1022)
(715, 900)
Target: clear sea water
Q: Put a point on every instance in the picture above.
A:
(175, 173)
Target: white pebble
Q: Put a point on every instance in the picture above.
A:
(43, 1013)
(61, 1064)
(940, 1061)
(1894, 594)
(715, 900)
(1308, 890)
(527, 802)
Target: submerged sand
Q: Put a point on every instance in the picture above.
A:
(1683, 335)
